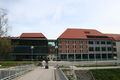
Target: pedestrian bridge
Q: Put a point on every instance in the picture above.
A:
(42, 74)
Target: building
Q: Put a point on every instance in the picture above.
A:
(30, 46)
(86, 45)
(116, 37)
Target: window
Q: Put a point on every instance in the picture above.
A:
(85, 56)
(74, 51)
(97, 49)
(67, 42)
(78, 56)
(90, 42)
(91, 56)
(97, 42)
(63, 56)
(74, 46)
(87, 32)
(67, 51)
(81, 42)
(108, 42)
(109, 49)
(71, 56)
(91, 49)
(81, 46)
(68, 46)
(114, 49)
(74, 42)
(102, 42)
(114, 44)
(110, 56)
(103, 48)
(59, 42)
(98, 56)
(104, 56)
(60, 46)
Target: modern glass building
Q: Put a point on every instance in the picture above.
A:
(30, 46)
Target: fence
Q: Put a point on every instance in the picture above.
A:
(9, 73)
(59, 74)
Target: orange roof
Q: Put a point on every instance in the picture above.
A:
(82, 34)
(114, 36)
(32, 35)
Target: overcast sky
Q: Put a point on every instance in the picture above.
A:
(52, 17)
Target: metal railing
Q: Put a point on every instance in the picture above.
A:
(10, 73)
(59, 74)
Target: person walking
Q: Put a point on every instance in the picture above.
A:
(43, 64)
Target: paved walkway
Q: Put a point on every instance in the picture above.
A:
(87, 68)
(38, 74)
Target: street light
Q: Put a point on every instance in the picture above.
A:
(32, 47)
(56, 47)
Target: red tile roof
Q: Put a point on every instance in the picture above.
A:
(81, 34)
(32, 35)
(114, 36)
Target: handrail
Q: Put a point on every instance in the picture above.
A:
(92, 75)
(59, 74)
(9, 73)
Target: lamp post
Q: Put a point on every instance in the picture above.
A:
(56, 47)
(32, 47)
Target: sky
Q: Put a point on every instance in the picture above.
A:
(53, 17)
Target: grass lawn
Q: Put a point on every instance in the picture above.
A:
(64, 70)
(5, 64)
(106, 74)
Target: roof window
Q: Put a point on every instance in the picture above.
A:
(87, 32)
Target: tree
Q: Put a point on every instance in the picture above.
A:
(3, 22)
(5, 43)
(5, 48)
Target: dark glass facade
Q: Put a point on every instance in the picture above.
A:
(29, 49)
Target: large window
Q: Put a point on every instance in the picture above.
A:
(97, 42)
(67, 51)
(91, 48)
(104, 56)
(114, 44)
(110, 56)
(71, 56)
(103, 48)
(91, 56)
(108, 42)
(85, 56)
(97, 49)
(102, 42)
(90, 42)
(114, 49)
(78, 56)
(109, 49)
(63, 56)
(98, 56)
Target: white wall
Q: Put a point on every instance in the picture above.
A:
(118, 49)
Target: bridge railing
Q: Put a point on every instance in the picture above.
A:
(59, 74)
(9, 73)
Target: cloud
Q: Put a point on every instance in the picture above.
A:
(52, 17)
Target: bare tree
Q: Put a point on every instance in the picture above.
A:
(3, 22)
(5, 42)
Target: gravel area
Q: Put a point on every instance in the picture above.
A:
(83, 75)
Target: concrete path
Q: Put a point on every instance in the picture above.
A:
(38, 74)
(88, 68)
